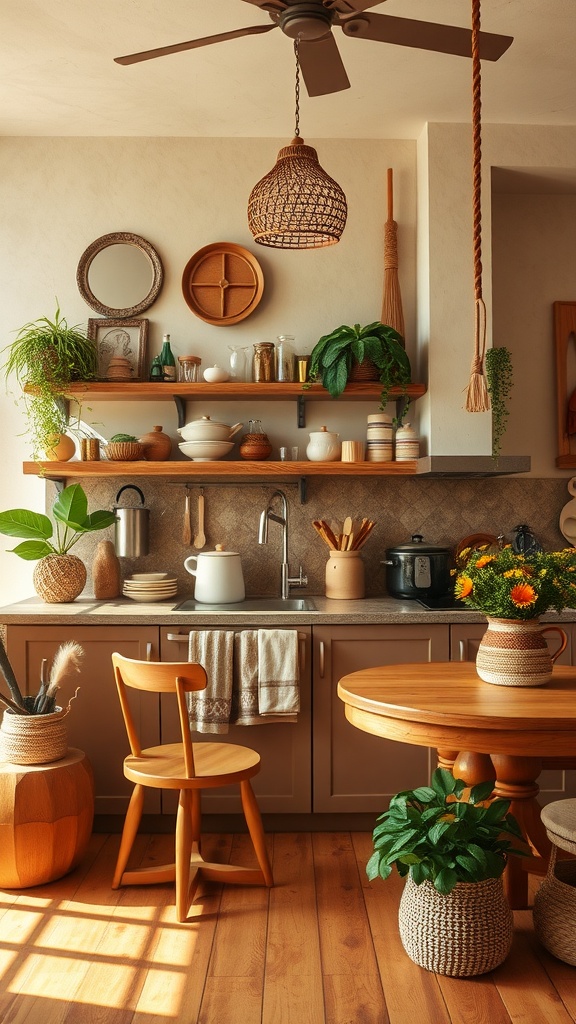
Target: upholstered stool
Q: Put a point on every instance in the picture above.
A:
(555, 901)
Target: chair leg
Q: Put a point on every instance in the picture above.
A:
(196, 815)
(184, 840)
(255, 828)
(131, 823)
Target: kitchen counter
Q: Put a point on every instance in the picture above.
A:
(122, 611)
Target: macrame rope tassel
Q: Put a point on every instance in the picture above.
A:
(477, 399)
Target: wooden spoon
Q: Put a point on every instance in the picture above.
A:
(200, 538)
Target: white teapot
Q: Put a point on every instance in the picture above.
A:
(324, 446)
(219, 577)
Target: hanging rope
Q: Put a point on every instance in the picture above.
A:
(477, 399)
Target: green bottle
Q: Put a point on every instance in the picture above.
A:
(167, 360)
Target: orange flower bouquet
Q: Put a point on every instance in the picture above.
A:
(506, 585)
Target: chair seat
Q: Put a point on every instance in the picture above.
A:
(217, 764)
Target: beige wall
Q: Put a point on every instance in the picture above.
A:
(57, 195)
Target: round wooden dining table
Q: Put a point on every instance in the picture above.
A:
(481, 731)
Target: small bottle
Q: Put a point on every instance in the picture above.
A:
(167, 360)
(285, 357)
(156, 372)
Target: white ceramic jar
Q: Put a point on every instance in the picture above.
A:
(219, 577)
(323, 446)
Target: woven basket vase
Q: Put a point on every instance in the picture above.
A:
(364, 371)
(513, 652)
(33, 739)
(59, 578)
(465, 933)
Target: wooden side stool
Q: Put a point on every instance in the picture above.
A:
(46, 815)
(555, 901)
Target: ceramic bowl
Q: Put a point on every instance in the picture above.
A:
(205, 451)
(206, 429)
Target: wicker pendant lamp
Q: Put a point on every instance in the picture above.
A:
(297, 205)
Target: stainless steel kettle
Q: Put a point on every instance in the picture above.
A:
(131, 527)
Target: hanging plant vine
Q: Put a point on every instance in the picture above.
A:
(499, 382)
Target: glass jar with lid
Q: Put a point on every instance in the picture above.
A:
(188, 369)
(263, 361)
(285, 357)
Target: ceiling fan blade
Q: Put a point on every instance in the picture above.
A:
(162, 51)
(424, 35)
(321, 66)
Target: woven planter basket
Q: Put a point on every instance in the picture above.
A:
(555, 909)
(513, 652)
(59, 578)
(124, 451)
(364, 371)
(33, 739)
(465, 933)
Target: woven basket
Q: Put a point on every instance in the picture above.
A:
(555, 909)
(513, 652)
(59, 578)
(124, 451)
(364, 371)
(33, 739)
(465, 933)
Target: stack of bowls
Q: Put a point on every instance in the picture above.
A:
(150, 586)
(379, 438)
(205, 451)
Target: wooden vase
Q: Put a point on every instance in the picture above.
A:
(513, 652)
(106, 575)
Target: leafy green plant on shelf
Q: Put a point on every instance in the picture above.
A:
(335, 355)
(434, 835)
(46, 357)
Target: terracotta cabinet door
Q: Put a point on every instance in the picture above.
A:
(95, 723)
(352, 770)
(284, 782)
(558, 777)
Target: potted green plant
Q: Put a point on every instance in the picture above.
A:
(453, 917)
(59, 576)
(335, 356)
(46, 357)
(499, 381)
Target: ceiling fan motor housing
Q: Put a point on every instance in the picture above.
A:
(306, 21)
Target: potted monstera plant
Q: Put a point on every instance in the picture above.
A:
(59, 576)
(45, 357)
(451, 845)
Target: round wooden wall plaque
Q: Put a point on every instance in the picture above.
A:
(222, 283)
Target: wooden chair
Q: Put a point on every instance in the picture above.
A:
(188, 767)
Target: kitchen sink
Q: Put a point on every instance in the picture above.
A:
(251, 604)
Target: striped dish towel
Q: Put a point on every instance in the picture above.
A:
(210, 709)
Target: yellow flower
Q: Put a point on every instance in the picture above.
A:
(463, 586)
(523, 595)
(484, 560)
(516, 573)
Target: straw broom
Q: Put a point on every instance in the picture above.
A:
(392, 313)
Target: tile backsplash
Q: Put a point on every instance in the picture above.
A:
(442, 509)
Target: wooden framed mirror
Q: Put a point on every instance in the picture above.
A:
(120, 275)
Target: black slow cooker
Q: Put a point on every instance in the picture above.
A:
(416, 569)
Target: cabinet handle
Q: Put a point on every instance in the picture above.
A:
(179, 638)
(148, 652)
(463, 650)
(321, 659)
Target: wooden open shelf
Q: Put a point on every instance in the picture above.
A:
(222, 469)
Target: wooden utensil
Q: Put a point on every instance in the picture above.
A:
(200, 538)
(186, 528)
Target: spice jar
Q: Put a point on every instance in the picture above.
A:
(188, 369)
(285, 357)
(263, 361)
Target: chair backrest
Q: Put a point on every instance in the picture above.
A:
(175, 677)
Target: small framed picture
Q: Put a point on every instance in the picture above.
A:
(117, 341)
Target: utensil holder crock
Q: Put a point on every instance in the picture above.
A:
(345, 579)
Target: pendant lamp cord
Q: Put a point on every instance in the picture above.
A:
(297, 88)
(477, 399)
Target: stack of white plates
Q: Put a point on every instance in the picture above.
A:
(150, 586)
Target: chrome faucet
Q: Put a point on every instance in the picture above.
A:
(286, 581)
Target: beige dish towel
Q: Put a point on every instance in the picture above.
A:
(278, 674)
(245, 704)
(210, 708)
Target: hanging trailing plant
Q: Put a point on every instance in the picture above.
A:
(499, 381)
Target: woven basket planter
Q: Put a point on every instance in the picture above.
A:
(465, 933)
(59, 578)
(555, 909)
(513, 652)
(33, 739)
(364, 372)
(125, 451)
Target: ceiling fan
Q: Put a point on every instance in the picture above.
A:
(311, 22)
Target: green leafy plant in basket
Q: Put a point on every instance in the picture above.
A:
(46, 357)
(335, 354)
(433, 835)
(59, 576)
(66, 662)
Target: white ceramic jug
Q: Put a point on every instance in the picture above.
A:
(219, 577)
(324, 446)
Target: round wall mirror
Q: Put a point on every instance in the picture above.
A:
(120, 275)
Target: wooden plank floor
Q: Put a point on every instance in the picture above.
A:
(321, 947)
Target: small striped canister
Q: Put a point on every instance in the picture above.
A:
(407, 443)
(379, 438)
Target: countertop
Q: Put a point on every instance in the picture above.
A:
(123, 611)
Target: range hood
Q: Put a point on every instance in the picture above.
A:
(473, 465)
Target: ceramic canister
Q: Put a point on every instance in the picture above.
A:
(345, 576)
(219, 578)
(407, 443)
(379, 438)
